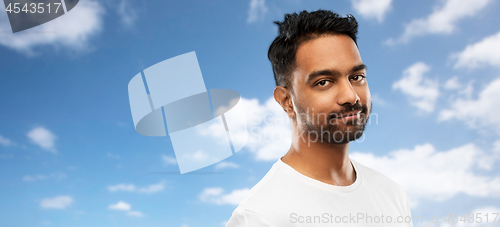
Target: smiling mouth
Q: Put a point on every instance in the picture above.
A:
(350, 114)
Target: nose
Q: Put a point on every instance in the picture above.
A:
(347, 95)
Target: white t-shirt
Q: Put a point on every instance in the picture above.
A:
(285, 197)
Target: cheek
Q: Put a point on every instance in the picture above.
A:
(364, 94)
(324, 104)
(365, 98)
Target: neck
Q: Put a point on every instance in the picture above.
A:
(325, 162)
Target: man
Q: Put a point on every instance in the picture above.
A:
(322, 86)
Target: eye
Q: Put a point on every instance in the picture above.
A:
(358, 78)
(322, 83)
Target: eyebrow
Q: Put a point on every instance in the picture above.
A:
(330, 72)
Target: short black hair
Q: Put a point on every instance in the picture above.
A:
(298, 28)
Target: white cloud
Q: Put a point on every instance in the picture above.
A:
(483, 53)
(480, 113)
(43, 138)
(122, 187)
(150, 189)
(59, 202)
(482, 212)
(442, 20)
(257, 10)
(452, 84)
(135, 214)
(200, 155)
(123, 206)
(5, 142)
(57, 176)
(376, 9)
(267, 135)
(72, 30)
(217, 196)
(496, 146)
(223, 165)
(426, 173)
(168, 160)
(120, 206)
(127, 13)
(421, 91)
(269, 130)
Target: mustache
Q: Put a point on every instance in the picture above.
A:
(348, 109)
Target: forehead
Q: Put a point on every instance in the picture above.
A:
(332, 52)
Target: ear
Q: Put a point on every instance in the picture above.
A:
(283, 97)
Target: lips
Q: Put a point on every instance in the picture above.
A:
(350, 114)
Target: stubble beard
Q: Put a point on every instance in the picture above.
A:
(326, 128)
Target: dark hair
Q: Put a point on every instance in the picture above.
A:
(298, 28)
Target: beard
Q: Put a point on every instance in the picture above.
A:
(329, 128)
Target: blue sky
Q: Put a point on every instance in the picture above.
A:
(69, 154)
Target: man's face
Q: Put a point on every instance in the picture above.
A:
(328, 84)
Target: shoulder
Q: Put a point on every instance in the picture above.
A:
(247, 218)
(256, 203)
(378, 181)
(267, 189)
(385, 189)
(271, 195)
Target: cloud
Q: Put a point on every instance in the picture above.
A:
(60, 202)
(372, 9)
(150, 189)
(122, 187)
(217, 196)
(73, 30)
(223, 165)
(496, 147)
(267, 133)
(483, 53)
(487, 215)
(123, 206)
(57, 176)
(5, 142)
(257, 10)
(420, 169)
(168, 160)
(421, 91)
(120, 206)
(269, 130)
(127, 13)
(442, 20)
(43, 138)
(135, 214)
(480, 113)
(452, 84)
(200, 156)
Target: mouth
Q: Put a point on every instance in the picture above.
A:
(350, 114)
